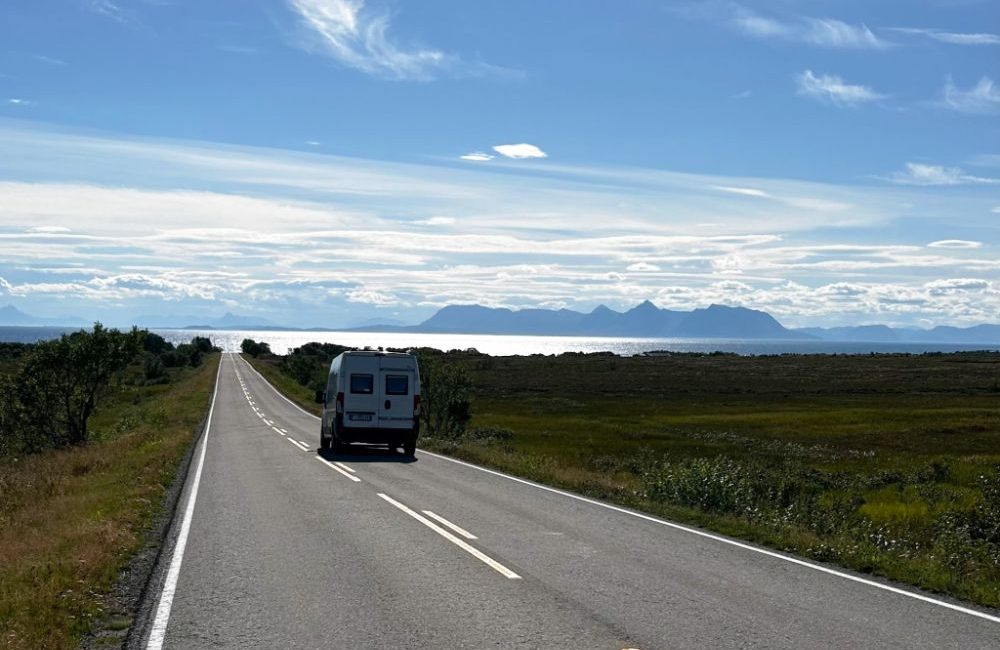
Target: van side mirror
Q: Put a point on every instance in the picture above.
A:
(321, 397)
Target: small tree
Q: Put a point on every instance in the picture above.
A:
(253, 348)
(62, 381)
(445, 408)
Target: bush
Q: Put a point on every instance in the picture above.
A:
(445, 407)
(62, 382)
(255, 349)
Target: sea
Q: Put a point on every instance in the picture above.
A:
(507, 345)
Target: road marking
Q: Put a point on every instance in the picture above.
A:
(268, 422)
(159, 630)
(296, 443)
(277, 430)
(471, 550)
(304, 443)
(458, 529)
(340, 464)
(276, 391)
(731, 542)
(284, 430)
(337, 469)
(686, 529)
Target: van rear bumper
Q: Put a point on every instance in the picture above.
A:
(375, 435)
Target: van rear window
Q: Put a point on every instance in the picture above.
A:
(397, 385)
(363, 384)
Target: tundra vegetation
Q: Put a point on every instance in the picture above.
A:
(92, 429)
(885, 464)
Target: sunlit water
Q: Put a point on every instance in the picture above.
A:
(500, 345)
(283, 341)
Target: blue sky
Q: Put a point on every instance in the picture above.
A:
(325, 162)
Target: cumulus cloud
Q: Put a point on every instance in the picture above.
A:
(955, 243)
(520, 151)
(834, 90)
(477, 156)
(921, 174)
(981, 99)
(822, 32)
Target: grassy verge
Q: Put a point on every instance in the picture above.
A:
(886, 464)
(269, 368)
(70, 519)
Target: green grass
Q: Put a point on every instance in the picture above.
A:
(886, 464)
(70, 519)
(268, 367)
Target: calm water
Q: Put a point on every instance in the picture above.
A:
(498, 345)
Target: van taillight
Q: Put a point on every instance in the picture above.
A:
(416, 405)
(340, 402)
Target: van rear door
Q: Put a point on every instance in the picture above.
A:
(361, 391)
(396, 385)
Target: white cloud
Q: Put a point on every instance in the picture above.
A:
(920, 174)
(953, 38)
(49, 230)
(372, 297)
(107, 8)
(359, 38)
(833, 89)
(437, 221)
(642, 267)
(17, 101)
(477, 156)
(745, 191)
(822, 32)
(996, 210)
(519, 151)
(51, 60)
(955, 243)
(313, 143)
(982, 99)
(954, 285)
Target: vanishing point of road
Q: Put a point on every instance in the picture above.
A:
(276, 545)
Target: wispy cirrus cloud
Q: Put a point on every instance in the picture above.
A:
(822, 32)
(834, 90)
(359, 38)
(981, 99)
(922, 174)
(477, 156)
(952, 38)
(108, 9)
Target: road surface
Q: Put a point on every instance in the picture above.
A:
(277, 546)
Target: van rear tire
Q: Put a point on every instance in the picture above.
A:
(324, 440)
(410, 447)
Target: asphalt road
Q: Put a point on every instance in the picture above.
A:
(284, 548)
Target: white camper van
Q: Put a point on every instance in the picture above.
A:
(371, 397)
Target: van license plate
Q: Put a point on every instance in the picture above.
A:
(359, 417)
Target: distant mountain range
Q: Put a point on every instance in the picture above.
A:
(645, 320)
(11, 316)
(649, 321)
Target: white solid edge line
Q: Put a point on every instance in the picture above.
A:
(731, 542)
(159, 631)
(471, 550)
(297, 444)
(277, 430)
(455, 527)
(349, 469)
(335, 468)
(693, 531)
(276, 391)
